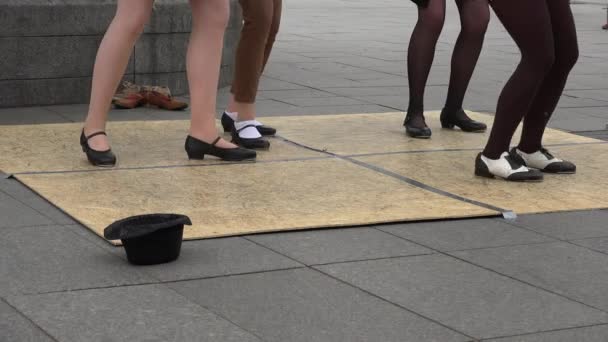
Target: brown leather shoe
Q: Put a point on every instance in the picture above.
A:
(161, 97)
(128, 96)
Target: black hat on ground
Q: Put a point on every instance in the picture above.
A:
(149, 239)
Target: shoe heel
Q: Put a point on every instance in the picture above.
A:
(227, 128)
(445, 124)
(483, 173)
(195, 156)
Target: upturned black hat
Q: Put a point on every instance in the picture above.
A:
(149, 239)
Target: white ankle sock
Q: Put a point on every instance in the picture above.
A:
(249, 132)
(233, 115)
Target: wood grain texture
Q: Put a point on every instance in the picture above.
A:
(241, 199)
(453, 172)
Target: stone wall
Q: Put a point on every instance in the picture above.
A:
(48, 47)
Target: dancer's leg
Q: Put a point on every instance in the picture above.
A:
(111, 63)
(550, 91)
(529, 24)
(251, 55)
(209, 21)
(474, 18)
(421, 53)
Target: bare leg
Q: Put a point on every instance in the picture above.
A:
(209, 20)
(111, 63)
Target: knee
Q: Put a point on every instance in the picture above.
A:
(567, 58)
(540, 61)
(133, 24)
(478, 27)
(210, 14)
(259, 21)
(221, 15)
(432, 20)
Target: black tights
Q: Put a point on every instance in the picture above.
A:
(474, 17)
(545, 33)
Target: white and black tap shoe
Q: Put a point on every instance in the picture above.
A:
(543, 160)
(505, 167)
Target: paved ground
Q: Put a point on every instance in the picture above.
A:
(540, 278)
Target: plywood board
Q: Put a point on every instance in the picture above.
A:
(353, 134)
(453, 172)
(56, 147)
(233, 199)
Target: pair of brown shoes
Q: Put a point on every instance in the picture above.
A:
(131, 95)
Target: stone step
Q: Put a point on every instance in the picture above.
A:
(48, 48)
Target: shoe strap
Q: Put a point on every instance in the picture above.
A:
(243, 128)
(216, 141)
(95, 134)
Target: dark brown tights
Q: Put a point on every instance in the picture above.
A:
(545, 33)
(474, 17)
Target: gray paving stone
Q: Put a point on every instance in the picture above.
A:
(371, 91)
(464, 234)
(597, 244)
(572, 271)
(304, 305)
(600, 112)
(52, 258)
(30, 199)
(28, 116)
(568, 225)
(587, 334)
(267, 83)
(294, 94)
(16, 327)
(338, 245)
(132, 313)
(218, 257)
(273, 110)
(573, 125)
(78, 113)
(600, 135)
(16, 214)
(478, 302)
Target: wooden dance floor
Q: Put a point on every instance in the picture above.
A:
(321, 172)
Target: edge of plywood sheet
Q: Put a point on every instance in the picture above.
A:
(309, 194)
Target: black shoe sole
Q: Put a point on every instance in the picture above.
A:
(417, 134)
(447, 125)
(520, 160)
(252, 144)
(451, 127)
(197, 150)
(228, 159)
(491, 176)
(423, 137)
